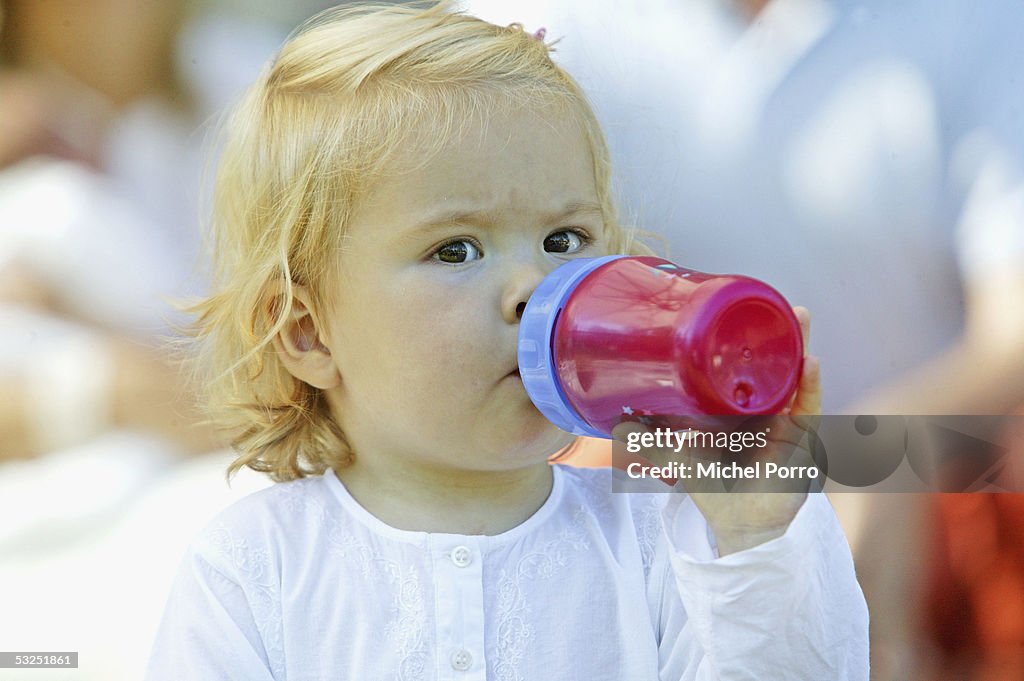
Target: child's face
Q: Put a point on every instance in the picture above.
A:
(439, 261)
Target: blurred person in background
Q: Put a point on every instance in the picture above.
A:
(98, 220)
(102, 112)
(101, 105)
(867, 159)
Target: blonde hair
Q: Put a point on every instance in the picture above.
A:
(342, 98)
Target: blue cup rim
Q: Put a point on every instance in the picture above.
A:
(535, 352)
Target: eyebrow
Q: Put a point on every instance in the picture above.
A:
(485, 218)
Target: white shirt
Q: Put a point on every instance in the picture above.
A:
(299, 582)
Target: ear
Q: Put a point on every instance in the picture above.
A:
(301, 347)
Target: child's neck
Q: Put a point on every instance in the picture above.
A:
(440, 500)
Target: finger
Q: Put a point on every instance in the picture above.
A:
(808, 396)
(622, 430)
(644, 453)
(803, 317)
(788, 432)
(646, 457)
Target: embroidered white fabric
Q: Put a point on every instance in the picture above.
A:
(298, 581)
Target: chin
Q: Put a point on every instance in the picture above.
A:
(523, 436)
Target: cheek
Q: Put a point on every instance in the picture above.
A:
(443, 340)
(414, 340)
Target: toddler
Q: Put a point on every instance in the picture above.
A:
(391, 191)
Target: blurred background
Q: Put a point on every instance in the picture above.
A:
(865, 158)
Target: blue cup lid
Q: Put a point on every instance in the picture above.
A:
(535, 351)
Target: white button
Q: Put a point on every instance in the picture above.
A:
(462, 556)
(461, 660)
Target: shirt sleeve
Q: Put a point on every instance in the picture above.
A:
(208, 631)
(790, 608)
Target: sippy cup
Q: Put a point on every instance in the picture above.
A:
(603, 340)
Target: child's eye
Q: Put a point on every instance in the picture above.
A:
(565, 241)
(458, 251)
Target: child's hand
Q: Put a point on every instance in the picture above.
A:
(744, 520)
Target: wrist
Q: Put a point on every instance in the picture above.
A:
(774, 513)
(736, 540)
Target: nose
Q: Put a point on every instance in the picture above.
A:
(523, 279)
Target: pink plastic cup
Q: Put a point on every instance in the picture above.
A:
(603, 340)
